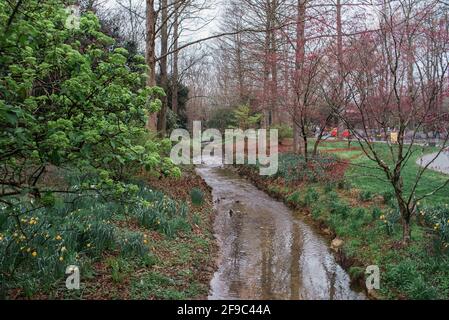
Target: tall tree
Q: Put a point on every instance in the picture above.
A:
(162, 118)
(150, 42)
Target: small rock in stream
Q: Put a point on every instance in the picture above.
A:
(336, 244)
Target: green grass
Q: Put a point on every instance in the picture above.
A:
(368, 179)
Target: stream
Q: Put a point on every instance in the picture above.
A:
(266, 251)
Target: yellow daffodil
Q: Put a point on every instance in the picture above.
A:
(58, 237)
(61, 259)
(34, 254)
(145, 241)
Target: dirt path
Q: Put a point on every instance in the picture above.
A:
(440, 164)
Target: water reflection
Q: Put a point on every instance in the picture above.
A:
(266, 252)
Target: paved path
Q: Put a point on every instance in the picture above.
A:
(440, 164)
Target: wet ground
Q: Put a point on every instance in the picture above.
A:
(267, 252)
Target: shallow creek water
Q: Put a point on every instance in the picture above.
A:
(266, 251)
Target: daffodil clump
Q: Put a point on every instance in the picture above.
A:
(39, 243)
(156, 211)
(390, 220)
(436, 218)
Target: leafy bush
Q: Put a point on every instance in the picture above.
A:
(70, 99)
(365, 196)
(329, 186)
(197, 196)
(359, 217)
(119, 269)
(339, 208)
(293, 169)
(295, 198)
(388, 197)
(245, 118)
(284, 131)
(344, 184)
(318, 210)
(376, 213)
(311, 196)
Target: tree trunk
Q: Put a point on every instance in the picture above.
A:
(305, 148)
(274, 63)
(175, 76)
(340, 62)
(296, 137)
(404, 211)
(266, 73)
(151, 55)
(162, 119)
(299, 60)
(406, 232)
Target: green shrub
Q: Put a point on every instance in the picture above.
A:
(340, 209)
(335, 205)
(197, 196)
(284, 131)
(376, 213)
(356, 272)
(295, 198)
(318, 210)
(344, 185)
(294, 168)
(359, 213)
(366, 196)
(120, 269)
(328, 187)
(311, 196)
(359, 217)
(387, 196)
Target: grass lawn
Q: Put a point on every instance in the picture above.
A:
(365, 175)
